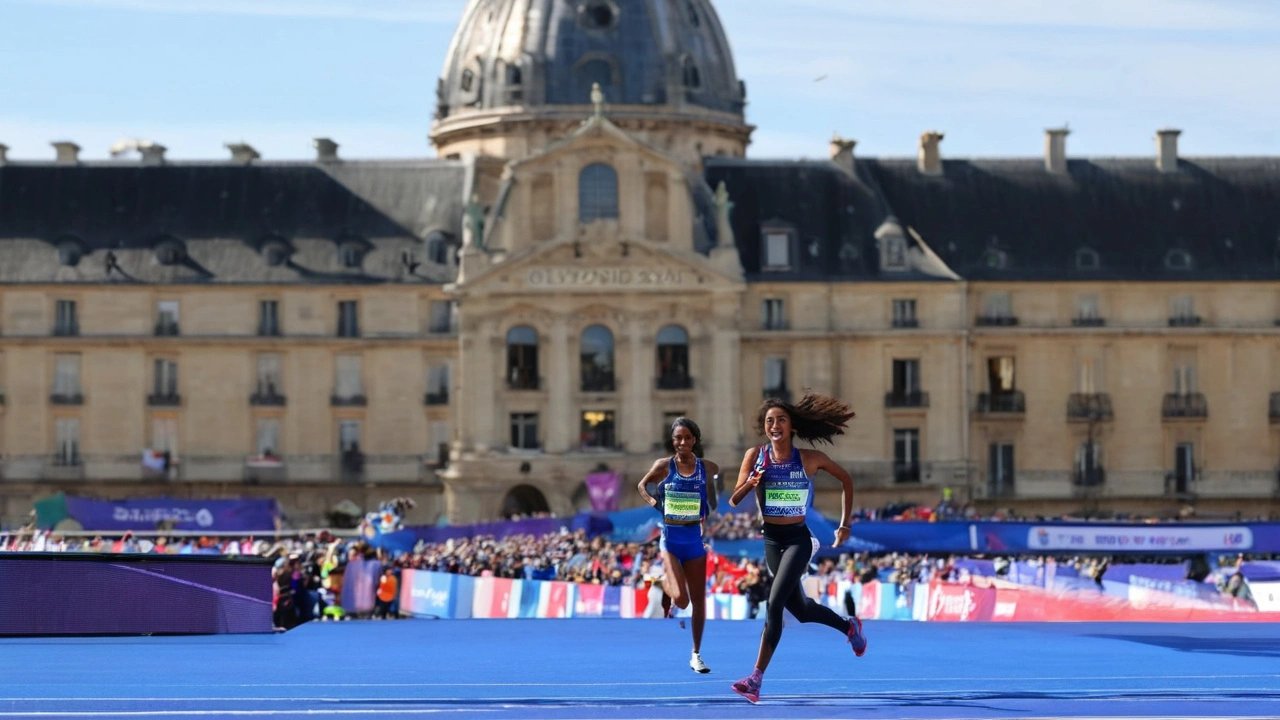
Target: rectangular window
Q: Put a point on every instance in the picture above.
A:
(165, 378)
(66, 441)
(906, 377)
(164, 436)
(167, 317)
(1000, 474)
(524, 431)
(444, 316)
(441, 437)
(65, 320)
(1184, 377)
(1184, 466)
(773, 314)
(777, 251)
(1087, 307)
(348, 318)
(598, 429)
(270, 379)
(269, 318)
(66, 375)
(1087, 380)
(906, 455)
(904, 313)
(1088, 464)
(438, 381)
(1000, 375)
(775, 376)
(349, 436)
(267, 437)
(348, 382)
(998, 306)
(1182, 307)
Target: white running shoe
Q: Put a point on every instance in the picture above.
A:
(695, 662)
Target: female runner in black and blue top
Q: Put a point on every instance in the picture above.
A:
(685, 498)
(781, 476)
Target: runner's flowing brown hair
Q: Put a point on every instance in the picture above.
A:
(815, 418)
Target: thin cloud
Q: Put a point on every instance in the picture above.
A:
(413, 11)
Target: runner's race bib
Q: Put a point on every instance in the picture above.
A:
(682, 507)
(786, 499)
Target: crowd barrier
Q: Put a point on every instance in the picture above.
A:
(444, 595)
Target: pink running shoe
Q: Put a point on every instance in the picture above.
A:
(749, 688)
(857, 640)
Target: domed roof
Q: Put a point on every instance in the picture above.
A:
(668, 53)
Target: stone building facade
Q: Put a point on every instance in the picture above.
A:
(592, 255)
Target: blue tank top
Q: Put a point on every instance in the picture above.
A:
(684, 499)
(786, 488)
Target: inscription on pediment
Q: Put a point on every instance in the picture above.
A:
(605, 278)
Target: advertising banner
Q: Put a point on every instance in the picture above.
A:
(603, 489)
(246, 515)
(1020, 537)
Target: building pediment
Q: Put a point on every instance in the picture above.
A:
(590, 264)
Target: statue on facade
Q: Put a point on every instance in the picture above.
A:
(724, 208)
(597, 99)
(474, 224)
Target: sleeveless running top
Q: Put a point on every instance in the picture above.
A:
(786, 487)
(684, 499)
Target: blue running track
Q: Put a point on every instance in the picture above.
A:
(542, 669)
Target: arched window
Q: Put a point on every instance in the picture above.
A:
(70, 250)
(351, 254)
(673, 359)
(170, 251)
(1178, 259)
(1087, 259)
(522, 358)
(597, 193)
(524, 501)
(596, 353)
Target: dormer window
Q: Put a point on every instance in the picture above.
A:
(438, 248)
(351, 253)
(689, 74)
(895, 253)
(69, 253)
(276, 252)
(468, 81)
(1177, 259)
(598, 14)
(694, 19)
(777, 249)
(1087, 259)
(995, 259)
(170, 252)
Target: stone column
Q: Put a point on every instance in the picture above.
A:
(640, 425)
(558, 371)
(476, 378)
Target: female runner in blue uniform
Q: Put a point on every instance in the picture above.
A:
(781, 476)
(685, 498)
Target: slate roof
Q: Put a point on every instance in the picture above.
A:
(221, 214)
(1224, 213)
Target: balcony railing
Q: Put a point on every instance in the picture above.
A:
(166, 328)
(348, 400)
(997, 320)
(1186, 405)
(268, 398)
(903, 399)
(164, 399)
(776, 324)
(1089, 477)
(906, 472)
(1088, 322)
(1184, 321)
(438, 397)
(350, 466)
(1000, 487)
(780, 393)
(65, 398)
(442, 328)
(598, 383)
(66, 329)
(906, 323)
(523, 382)
(674, 382)
(1008, 402)
(1180, 485)
(1274, 412)
(1089, 406)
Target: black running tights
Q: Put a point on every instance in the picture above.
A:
(787, 554)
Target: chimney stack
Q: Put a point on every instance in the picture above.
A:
(326, 150)
(242, 153)
(1055, 149)
(929, 160)
(152, 153)
(1167, 150)
(842, 152)
(4, 153)
(68, 152)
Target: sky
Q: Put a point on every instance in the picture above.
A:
(990, 75)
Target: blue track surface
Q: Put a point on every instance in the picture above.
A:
(638, 669)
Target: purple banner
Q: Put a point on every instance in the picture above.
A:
(238, 515)
(603, 489)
